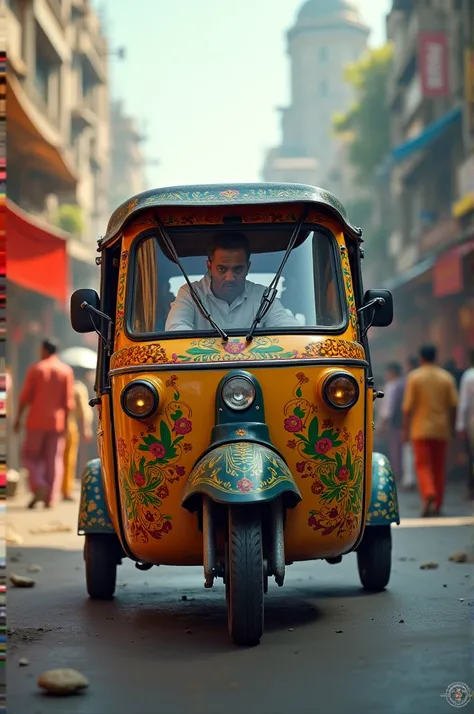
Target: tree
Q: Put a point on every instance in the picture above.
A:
(69, 218)
(367, 123)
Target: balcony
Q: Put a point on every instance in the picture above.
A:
(93, 49)
(84, 112)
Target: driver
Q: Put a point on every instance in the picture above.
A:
(230, 298)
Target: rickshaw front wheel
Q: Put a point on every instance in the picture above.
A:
(374, 557)
(101, 565)
(245, 576)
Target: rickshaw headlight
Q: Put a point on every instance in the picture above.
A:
(139, 400)
(341, 391)
(238, 393)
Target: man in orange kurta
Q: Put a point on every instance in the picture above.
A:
(48, 392)
(429, 412)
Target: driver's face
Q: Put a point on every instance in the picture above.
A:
(228, 269)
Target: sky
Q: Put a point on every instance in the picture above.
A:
(204, 79)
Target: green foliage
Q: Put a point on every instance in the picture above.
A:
(367, 124)
(69, 218)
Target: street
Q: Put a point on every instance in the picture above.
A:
(162, 644)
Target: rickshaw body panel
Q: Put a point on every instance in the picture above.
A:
(94, 516)
(384, 500)
(325, 450)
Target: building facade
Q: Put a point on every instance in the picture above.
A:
(328, 35)
(429, 174)
(127, 171)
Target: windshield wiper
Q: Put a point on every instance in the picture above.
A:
(205, 313)
(268, 297)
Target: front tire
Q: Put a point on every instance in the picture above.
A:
(245, 576)
(100, 555)
(374, 558)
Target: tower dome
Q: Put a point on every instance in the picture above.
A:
(321, 10)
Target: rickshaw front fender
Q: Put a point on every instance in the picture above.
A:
(240, 473)
(383, 508)
(93, 513)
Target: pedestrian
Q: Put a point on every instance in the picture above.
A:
(391, 416)
(48, 393)
(465, 418)
(409, 478)
(79, 423)
(429, 409)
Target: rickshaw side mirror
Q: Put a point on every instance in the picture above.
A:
(379, 303)
(81, 319)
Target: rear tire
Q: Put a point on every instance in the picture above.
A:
(244, 576)
(374, 558)
(100, 554)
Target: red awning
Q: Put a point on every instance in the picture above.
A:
(37, 259)
(448, 271)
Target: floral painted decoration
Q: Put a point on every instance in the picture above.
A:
(334, 461)
(150, 466)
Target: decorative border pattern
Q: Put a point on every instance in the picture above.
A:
(235, 350)
(217, 195)
(346, 271)
(120, 311)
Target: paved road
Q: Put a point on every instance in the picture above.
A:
(328, 647)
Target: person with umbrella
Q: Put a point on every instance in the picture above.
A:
(79, 423)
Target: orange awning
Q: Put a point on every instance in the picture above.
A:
(37, 259)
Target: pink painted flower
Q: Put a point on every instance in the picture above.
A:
(122, 448)
(149, 516)
(234, 348)
(291, 444)
(302, 379)
(167, 527)
(139, 479)
(343, 474)
(323, 446)
(157, 535)
(182, 426)
(174, 357)
(293, 424)
(162, 492)
(300, 466)
(328, 424)
(245, 485)
(360, 440)
(317, 487)
(157, 449)
(312, 522)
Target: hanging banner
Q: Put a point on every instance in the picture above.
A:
(433, 63)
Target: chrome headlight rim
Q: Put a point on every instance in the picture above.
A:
(140, 383)
(235, 378)
(338, 375)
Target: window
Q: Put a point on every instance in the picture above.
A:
(308, 292)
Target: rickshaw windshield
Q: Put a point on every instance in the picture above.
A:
(230, 283)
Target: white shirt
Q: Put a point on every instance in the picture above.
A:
(185, 315)
(465, 415)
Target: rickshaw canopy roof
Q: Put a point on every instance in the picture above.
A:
(241, 194)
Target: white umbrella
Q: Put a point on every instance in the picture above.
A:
(81, 357)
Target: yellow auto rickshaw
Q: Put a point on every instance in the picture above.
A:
(234, 393)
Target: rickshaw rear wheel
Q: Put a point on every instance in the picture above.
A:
(244, 576)
(374, 557)
(101, 565)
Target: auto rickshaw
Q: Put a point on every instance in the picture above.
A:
(239, 447)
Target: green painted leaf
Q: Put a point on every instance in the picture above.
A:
(287, 355)
(309, 450)
(313, 431)
(303, 438)
(142, 448)
(176, 396)
(165, 435)
(184, 358)
(271, 349)
(297, 411)
(337, 443)
(338, 460)
(149, 439)
(323, 457)
(142, 463)
(326, 480)
(176, 415)
(177, 440)
(200, 351)
(299, 393)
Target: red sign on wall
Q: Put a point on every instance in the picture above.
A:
(433, 63)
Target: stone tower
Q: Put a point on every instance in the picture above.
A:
(328, 35)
